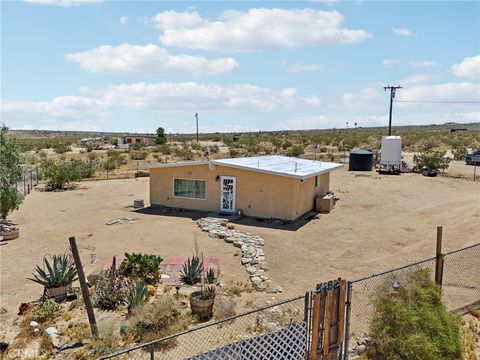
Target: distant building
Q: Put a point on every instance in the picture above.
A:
(93, 141)
(145, 140)
(263, 186)
(457, 129)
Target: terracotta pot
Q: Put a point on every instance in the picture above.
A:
(203, 308)
(10, 235)
(58, 292)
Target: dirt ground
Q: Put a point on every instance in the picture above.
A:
(379, 222)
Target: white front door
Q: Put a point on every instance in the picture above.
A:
(228, 186)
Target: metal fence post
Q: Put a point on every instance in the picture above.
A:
(348, 303)
(439, 257)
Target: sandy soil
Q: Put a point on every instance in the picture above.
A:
(378, 223)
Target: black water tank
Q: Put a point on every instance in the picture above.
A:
(360, 160)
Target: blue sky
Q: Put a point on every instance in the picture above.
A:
(243, 66)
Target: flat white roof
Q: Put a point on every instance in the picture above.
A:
(271, 164)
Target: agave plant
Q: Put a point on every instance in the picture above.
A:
(59, 272)
(210, 276)
(138, 295)
(192, 271)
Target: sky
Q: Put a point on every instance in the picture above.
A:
(242, 66)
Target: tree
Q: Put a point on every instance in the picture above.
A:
(161, 138)
(10, 173)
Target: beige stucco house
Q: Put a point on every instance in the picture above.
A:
(263, 186)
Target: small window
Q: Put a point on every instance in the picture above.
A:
(129, 141)
(191, 189)
(317, 181)
(137, 141)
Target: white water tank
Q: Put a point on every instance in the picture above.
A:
(391, 153)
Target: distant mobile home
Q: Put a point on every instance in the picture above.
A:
(125, 141)
(264, 186)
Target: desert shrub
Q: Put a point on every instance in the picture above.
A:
(114, 160)
(224, 307)
(165, 149)
(459, 152)
(412, 323)
(233, 153)
(185, 153)
(58, 173)
(46, 311)
(214, 149)
(110, 290)
(138, 155)
(61, 148)
(29, 158)
(196, 146)
(295, 150)
(145, 267)
(434, 160)
(154, 320)
(286, 144)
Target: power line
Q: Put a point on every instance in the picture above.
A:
(437, 102)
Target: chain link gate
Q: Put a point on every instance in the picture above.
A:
(326, 325)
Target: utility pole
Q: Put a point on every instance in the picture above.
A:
(196, 118)
(392, 96)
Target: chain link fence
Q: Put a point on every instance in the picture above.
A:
(282, 329)
(279, 329)
(461, 277)
(460, 286)
(29, 180)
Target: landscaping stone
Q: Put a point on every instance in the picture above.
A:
(249, 244)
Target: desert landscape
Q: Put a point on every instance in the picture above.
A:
(379, 222)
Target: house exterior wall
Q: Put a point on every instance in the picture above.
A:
(126, 141)
(257, 194)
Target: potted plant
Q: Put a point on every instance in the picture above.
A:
(56, 276)
(201, 302)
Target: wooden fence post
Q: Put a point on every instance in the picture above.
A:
(83, 286)
(439, 257)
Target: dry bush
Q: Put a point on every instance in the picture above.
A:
(470, 338)
(155, 320)
(224, 307)
(237, 288)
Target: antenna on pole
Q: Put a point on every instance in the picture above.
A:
(196, 118)
(392, 96)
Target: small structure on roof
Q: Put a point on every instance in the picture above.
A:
(274, 186)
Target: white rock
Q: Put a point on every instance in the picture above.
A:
(246, 260)
(33, 324)
(279, 289)
(51, 330)
(252, 270)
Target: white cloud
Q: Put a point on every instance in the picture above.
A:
(159, 97)
(257, 29)
(190, 95)
(389, 63)
(148, 60)
(361, 99)
(297, 68)
(124, 20)
(469, 67)
(440, 92)
(63, 3)
(418, 79)
(402, 32)
(425, 63)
